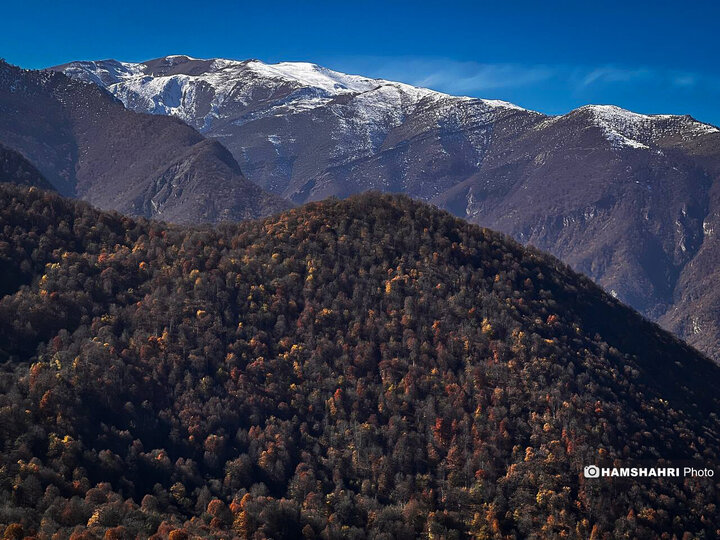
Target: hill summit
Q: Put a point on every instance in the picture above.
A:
(366, 367)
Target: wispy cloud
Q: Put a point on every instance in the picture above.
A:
(686, 80)
(457, 77)
(467, 77)
(453, 76)
(609, 75)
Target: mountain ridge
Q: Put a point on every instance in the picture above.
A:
(297, 72)
(623, 197)
(87, 144)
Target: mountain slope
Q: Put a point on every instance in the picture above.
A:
(352, 368)
(623, 197)
(307, 132)
(695, 313)
(625, 205)
(88, 145)
(14, 168)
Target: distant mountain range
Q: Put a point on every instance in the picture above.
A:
(631, 200)
(306, 132)
(87, 144)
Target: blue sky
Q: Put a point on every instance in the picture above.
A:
(552, 56)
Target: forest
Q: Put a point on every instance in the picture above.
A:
(364, 368)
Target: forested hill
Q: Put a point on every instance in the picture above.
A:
(371, 367)
(14, 168)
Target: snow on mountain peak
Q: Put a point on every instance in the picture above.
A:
(172, 85)
(173, 57)
(307, 74)
(103, 72)
(502, 104)
(635, 130)
(613, 116)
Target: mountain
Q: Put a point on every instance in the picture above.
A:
(348, 369)
(14, 168)
(629, 199)
(87, 144)
(622, 197)
(307, 132)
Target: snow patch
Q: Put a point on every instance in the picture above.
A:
(635, 130)
(708, 229)
(619, 140)
(696, 326)
(314, 76)
(299, 87)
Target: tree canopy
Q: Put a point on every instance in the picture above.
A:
(366, 368)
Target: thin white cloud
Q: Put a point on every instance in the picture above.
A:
(474, 78)
(466, 78)
(687, 79)
(457, 77)
(610, 74)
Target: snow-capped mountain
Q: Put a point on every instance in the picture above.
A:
(632, 200)
(202, 91)
(299, 129)
(293, 125)
(626, 128)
